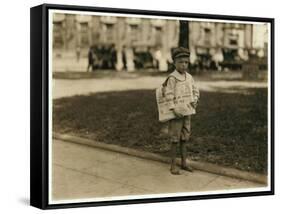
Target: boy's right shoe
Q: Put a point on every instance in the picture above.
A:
(174, 171)
(187, 168)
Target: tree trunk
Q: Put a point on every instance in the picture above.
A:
(184, 34)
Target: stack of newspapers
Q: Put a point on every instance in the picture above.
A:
(182, 102)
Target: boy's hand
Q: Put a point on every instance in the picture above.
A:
(178, 113)
(194, 104)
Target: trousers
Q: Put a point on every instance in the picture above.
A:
(180, 129)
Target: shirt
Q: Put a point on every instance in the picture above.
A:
(187, 80)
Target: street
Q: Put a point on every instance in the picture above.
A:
(66, 88)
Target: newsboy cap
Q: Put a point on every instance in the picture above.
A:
(180, 52)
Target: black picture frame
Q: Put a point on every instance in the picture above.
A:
(39, 86)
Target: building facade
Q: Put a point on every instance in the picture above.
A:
(144, 42)
(222, 43)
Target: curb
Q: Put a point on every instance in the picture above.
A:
(207, 167)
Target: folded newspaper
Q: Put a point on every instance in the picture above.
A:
(182, 102)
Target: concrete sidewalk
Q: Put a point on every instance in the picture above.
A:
(81, 172)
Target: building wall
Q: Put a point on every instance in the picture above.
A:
(226, 42)
(73, 33)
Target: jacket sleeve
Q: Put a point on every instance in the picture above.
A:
(195, 91)
(170, 92)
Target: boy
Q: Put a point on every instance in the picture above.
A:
(180, 127)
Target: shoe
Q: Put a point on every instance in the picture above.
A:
(187, 168)
(175, 171)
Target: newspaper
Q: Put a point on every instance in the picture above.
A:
(182, 100)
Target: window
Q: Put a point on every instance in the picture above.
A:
(233, 42)
(58, 35)
(158, 36)
(134, 32)
(84, 29)
(109, 33)
(207, 36)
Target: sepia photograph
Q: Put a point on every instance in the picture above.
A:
(154, 106)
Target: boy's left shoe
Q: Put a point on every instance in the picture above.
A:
(187, 168)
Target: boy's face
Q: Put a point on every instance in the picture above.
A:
(181, 64)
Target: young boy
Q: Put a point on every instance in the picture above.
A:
(180, 127)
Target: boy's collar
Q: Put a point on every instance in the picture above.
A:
(178, 75)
